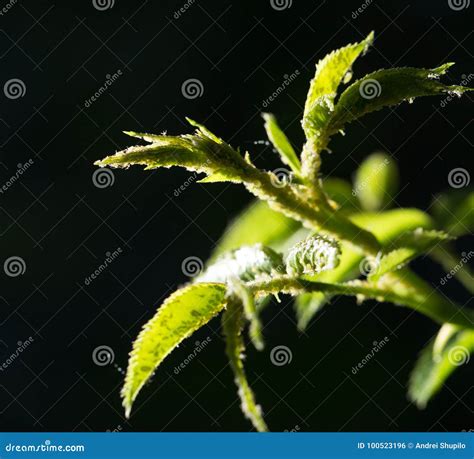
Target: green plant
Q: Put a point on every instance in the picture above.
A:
(341, 233)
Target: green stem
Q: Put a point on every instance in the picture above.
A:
(287, 201)
(232, 323)
(416, 296)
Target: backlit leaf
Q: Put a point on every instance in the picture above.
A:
(388, 87)
(407, 247)
(433, 368)
(181, 314)
(281, 143)
(376, 182)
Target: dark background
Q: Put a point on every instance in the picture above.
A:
(62, 225)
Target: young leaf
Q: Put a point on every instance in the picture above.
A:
(388, 87)
(313, 255)
(181, 314)
(235, 348)
(256, 224)
(202, 152)
(330, 72)
(407, 247)
(281, 143)
(376, 182)
(433, 368)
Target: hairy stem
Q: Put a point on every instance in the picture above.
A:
(413, 294)
(322, 217)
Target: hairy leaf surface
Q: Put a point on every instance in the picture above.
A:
(330, 72)
(181, 314)
(408, 246)
(388, 87)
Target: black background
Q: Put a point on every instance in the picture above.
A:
(62, 225)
